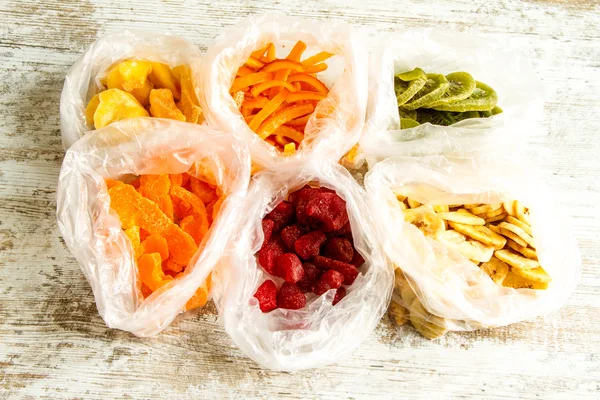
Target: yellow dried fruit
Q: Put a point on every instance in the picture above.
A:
(115, 105)
(162, 77)
(189, 104)
(90, 110)
(162, 105)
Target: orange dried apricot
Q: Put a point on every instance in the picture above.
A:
(162, 77)
(170, 265)
(155, 244)
(196, 225)
(156, 188)
(205, 191)
(115, 105)
(189, 197)
(133, 234)
(201, 296)
(162, 105)
(151, 273)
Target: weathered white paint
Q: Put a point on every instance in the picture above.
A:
(54, 345)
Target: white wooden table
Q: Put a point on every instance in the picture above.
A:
(53, 344)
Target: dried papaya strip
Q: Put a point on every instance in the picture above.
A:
(258, 89)
(260, 52)
(151, 273)
(176, 179)
(170, 265)
(299, 122)
(311, 80)
(243, 70)
(155, 244)
(257, 102)
(314, 69)
(196, 225)
(248, 118)
(281, 117)
(268, 109)
(216, 207)
(290, 133)
(270, 53)
(297, 50)
(146, 291)
(305, 95)
(181, 245)
(133, 234)
(198, 206)
(254, 63)
(110, 183)
(282, 64)
(201, 296)
(317, 58)
(249, 80)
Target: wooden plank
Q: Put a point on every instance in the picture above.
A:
(53, 343)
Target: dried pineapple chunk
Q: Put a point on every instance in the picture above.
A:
(162, 105)
(115, 105)
(162, 77)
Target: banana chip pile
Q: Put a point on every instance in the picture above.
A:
(496, 237)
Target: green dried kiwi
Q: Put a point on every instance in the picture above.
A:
(485, 114)
(483, 98)
(416, 73)
(407, 123)
(435, 87)
(406, 90)
(412, 114)
(461, 87)
(444, 118)
(496, 110)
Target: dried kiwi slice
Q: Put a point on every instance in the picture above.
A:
(496, 110)
(412, 114)
(435, 87)
(406, 123)
(406, 90)
(445, 118)
(416, 73)
(483, 98)
(461, 87)
(485, 114)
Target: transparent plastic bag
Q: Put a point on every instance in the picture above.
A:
(454, 292)
(340, 116)
(92, 231)
(320, 333)
(520, 94)
(83, 80)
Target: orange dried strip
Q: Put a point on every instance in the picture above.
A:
(155, 244)
(189, 197)
(305, 95)
(176, 179)
(317, 58)
(299, 122)
(290, 133)
(170, 265)
(249, 118)
(156, 188)
(196, 225)
(311, 80)
(249, 80)
(268, 109)
(313, 69)
(244, 71)
(201, 296)
(281, 117)
(297, 51)
(257, 102)
(133, 234)
(260, 52)
(151, 273)
(254, 63)
(216, 207)
(282, 64)
(258, 89)
(270, 53)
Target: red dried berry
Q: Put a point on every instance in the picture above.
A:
(266, 294)
(309, 245)
(339, 294)
(269, 253)
(329, 280)
(303, 194)
(344, 230)
(282, 215)
(267, 227)
(291, 297)
(289, 267)
(339, 249)
(326, 211)
(348, 270)
(290, 234)
(311, 274)
(357, 260)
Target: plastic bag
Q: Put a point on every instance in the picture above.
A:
(341, 114)
(520, 94)
(83, 79)
(447, 284)
(320, 333)
(92, 231)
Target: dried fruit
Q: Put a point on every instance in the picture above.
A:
(200, 297)
(339, 249)
(267, 227)
(329, 280)
(309, 245)
(155, 244)
(162, 105)
(357, 260)
(290, 297)
(328, 209)
(282, 215)
(269, 253)
(348, 270)
(90, 110)
(311, 274)
(151, 273)
(290, 234)
(162, 78)
(289, 267)
(156, 188)
(266, 294)
(116, 105)
(339, 295)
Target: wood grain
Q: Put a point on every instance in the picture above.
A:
(53, 343)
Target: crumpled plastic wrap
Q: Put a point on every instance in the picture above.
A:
(520, 94)
(320, 333)
(337, 122)
(92, 231)
(447, 283)
(83, 79)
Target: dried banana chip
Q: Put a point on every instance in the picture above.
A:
(425, 220)
(520, 224)
(509, 206)
(518, 282)
(526, 251)
(521, 213)
(496, 218)
(485, 208)
(427, 324)
(451, 237)
(536, 274)
(496, 269)
(480, 233)
(398, 313)
(517, 231)
(474, 250)
(441, 208)
(515, 260)
(413, 203)
(462, 216)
